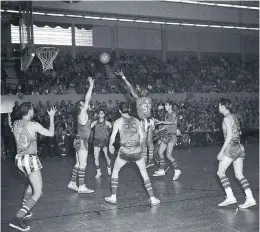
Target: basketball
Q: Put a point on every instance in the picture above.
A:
(104, 58)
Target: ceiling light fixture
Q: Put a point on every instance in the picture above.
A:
(55, 14)
(111, 19)
(157, 22)
(75, 16)
(142, 21)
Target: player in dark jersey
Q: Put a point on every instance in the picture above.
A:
(131, 137)
(168, 140)
(81, 143)
(144, 110)
(232, 152)
(27, 159)
(101, 136)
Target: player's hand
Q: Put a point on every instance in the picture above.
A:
(111, 149)
(119, 73)
(157, 122)
(220, 156)
(91, 81)
(52, 111)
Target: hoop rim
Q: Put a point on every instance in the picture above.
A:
(41, 48)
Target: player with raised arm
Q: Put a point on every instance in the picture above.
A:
(81, 143)
(27, 160)
(144, 111)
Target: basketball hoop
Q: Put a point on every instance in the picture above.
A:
(47, 56)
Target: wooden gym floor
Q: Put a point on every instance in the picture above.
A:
(187, 205)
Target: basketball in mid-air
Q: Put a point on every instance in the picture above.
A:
(104, 58)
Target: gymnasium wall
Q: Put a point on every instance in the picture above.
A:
(178, 39)
(7, 101)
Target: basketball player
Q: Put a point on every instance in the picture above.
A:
(101, 136)
(81, 143)
(232, 152)
(27, 160)
(131, 138)
(168, 140)
(144, 108)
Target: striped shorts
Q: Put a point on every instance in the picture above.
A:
(28, 163)
(147, 124)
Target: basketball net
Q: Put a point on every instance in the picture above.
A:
(47, 56)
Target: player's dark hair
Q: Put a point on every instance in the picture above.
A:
(78, 106)
(226, 102)
(124, 107)
(171, 103)
(24, 108)
(103, 110)
(144, 92)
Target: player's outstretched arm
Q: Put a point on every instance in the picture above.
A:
(83, 117)
(37, 127)
(129, 86)
(89, 93)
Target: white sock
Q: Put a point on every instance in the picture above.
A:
(248, 193)
(229, 192)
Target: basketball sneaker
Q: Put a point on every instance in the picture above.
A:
(84, 189)
(177, 173)
(228, 201)
(111, 199)
(159, 172)
(248, 203)
(73, 186)
(154, 201)
(18, 224)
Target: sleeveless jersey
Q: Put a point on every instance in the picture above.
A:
(171, 117)
(26, 144)
(84, 130)
(129, 136)
(144, 107)
(236, 131)
(101, 130)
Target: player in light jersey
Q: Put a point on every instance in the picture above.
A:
(101, 137)
(232, 151)
(81, 143)
(168, 141)
(131, 138)
(144, 111)
(27, 159)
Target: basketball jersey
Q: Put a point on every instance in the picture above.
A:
(101, 130)
(144, 107)
(129, 136)
(26, 144)
(171, 117)
(84, 130)
(236, 131)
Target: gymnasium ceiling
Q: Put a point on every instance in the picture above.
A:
(155, 10)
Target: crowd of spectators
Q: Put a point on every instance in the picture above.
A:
(178, 74)
(193, 116)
